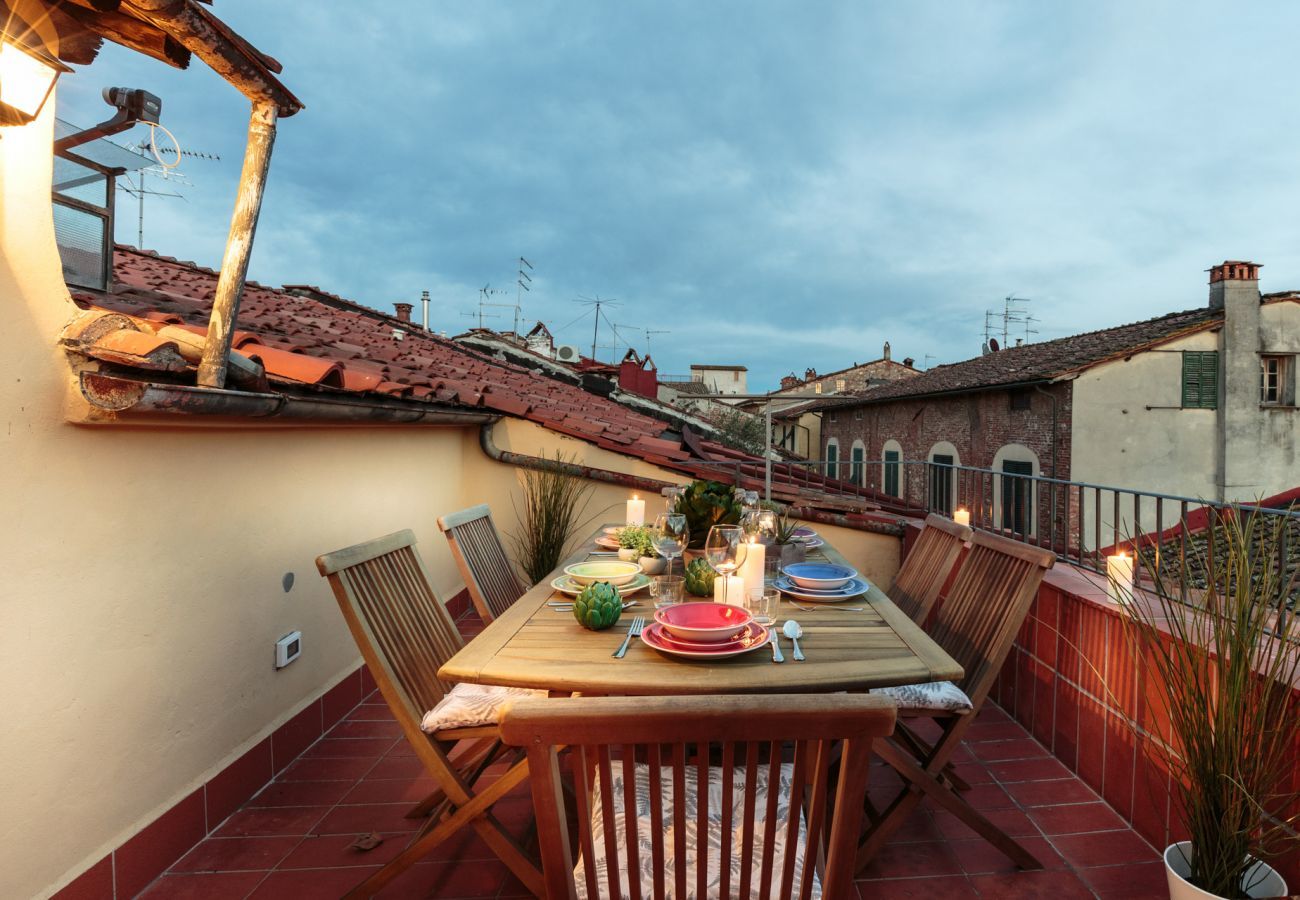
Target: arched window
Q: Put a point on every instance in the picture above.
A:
(943, 478)
(1016, 494)
(891, 469)
(858, 463)
(833, 458)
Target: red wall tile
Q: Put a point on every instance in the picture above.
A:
(243, 778)
(1117, 779)
(1044, 725)
(163, 841)
(340, 699)
(1092, 741)
(1065, 731)
(96, 883)
(296, 735)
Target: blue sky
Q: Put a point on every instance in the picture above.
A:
(779, 185)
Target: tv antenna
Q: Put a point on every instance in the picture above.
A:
(483, 293)
(1011, 317)
(163, 169)
(597, 303)
(648, 334)
(522, 282)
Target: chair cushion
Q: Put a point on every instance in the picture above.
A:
(644, 827)
(468, 705)
(943, 696)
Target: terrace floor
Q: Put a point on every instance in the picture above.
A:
(293, 840)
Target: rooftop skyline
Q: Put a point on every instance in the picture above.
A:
(774, 189)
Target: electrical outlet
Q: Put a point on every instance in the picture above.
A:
(288, 648)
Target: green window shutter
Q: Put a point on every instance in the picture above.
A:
(1200, 379)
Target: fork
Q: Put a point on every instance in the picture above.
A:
(634, 631)
(836, 608)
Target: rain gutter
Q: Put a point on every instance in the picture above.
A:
(523, 460)
(111, 393)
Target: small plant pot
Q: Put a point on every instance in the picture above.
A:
(654, 565)
(628, 554)
(1264, 880)
(792, 553)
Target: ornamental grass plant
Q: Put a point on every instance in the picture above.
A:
(551, 500)
(1222, 663)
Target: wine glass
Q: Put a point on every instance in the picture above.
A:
(671, 535)
(725, 548)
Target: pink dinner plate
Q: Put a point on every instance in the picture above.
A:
(703, 622)
(753, 637)
(608, 543)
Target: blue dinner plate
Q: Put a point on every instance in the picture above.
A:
(856, 587)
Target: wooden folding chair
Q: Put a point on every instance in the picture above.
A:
(482, 560)
(927, 567)
(766, 761)
(405, 634)
(976, 625)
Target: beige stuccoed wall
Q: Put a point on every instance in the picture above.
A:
(142, 572)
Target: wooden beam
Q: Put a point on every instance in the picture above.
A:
(239, 245)
(128, 31)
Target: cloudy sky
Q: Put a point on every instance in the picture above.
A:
(780, 185)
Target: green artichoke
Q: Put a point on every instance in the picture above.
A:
(705, 504)
(699, 578)
(598, 606)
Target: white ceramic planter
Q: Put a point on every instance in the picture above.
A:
(654, 565)
(628, 554)
(1263, 879)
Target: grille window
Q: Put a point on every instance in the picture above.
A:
(83, 221)
(1277, 380)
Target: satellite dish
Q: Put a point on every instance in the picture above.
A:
(993, 345)
(567, 353)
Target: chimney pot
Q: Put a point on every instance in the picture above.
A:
(403, 311)
(1230, 270)
(908, 361)
(886, 349)
(809, 374)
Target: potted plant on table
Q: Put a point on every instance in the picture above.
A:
(637, 544)
(790, 550)
(705, 504)
(1221, 665)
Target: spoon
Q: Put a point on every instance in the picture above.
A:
(792, 630)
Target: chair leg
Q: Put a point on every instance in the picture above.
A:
(475, 814)
(479, 754)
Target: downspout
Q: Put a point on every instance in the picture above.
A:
(239, 244)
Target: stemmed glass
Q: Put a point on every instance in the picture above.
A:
(671, 535)
(725, 549)
(761, 525)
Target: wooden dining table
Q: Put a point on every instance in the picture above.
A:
(534, 645)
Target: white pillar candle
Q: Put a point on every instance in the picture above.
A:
(729, 589)
(961, 516)
(635, 511)
(751, 569)
(1119, 577)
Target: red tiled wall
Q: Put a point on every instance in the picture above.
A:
(1071, 681)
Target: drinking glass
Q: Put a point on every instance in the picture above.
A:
(671, 535)
(762, 606)
(725, 548)
(667, 590)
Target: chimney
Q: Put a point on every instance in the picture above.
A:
(403, 311)
(789, 381)
(1233, 276)
(809, 374)
(886, 351)
(424, 302)
(907, 360)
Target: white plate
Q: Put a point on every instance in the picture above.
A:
(566, 585)
(855, 588)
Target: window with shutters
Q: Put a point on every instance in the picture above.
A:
(857, 463)
(833, 458)
(891, 472)
(1200, 379)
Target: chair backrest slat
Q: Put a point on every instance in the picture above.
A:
(482, 560)
(923, 574)
(401, 627)
(990, 597)
(788, 740)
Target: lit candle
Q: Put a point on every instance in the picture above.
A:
(729, 589)
(1119, 577)
(751, 569)
(635, 511)
(961, 516)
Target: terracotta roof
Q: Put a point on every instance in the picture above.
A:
(1047, 360)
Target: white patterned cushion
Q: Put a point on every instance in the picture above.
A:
(937, 695)
(644, 826)
(467, 705)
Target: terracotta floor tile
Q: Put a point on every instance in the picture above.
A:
(1076, 818)
(390, 790)
(1012, 821)
(207, 886)
(301, 793)
(902, 860)
(995, 731)
(1103, 848)
(309, 884)
(385, 818)
(1146, 879)
(947, 887)
(353, 747)
(236, 854)
(1032, 886)
(447, 879)
(328, 768)
(332, 851)
(979, 857)
(1051, 793)
(368, 712)
(1041, 769)
(269, 821)
(1017, 748)
(378, 728)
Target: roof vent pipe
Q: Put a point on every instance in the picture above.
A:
(424, 303)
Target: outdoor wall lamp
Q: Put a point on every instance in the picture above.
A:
(27, 77)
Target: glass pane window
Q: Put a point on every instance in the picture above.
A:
(1275, 381)
(1017, 508)
(857, 457)
(891, 473)
(941, 477)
